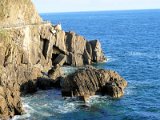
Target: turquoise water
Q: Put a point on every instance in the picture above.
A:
(131, 41)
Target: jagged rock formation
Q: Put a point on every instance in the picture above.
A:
(10, 102)
(30, 47)
(55, 72)
(90, 81)
(28, 50)
(23, 47)
(23, 57)
(75, 50)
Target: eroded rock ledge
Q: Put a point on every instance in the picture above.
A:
(27, 51)
(75, 50)
(30, 47)
(90, 81)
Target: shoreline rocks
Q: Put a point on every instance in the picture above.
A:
(74, 50)
(28, 51)
(30, 47)
(90, 81)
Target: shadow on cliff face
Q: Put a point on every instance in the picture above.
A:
(44, 46)
(46, 84)
(41, 83)
(28, 46)
(29, 87)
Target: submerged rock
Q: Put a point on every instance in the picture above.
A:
(91, 81)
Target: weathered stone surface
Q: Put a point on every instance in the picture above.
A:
(55, 72)
(14, 13)
(90, 81)
(84, 98)
(60, 41)
(97, 53)
(52, 79)
(21, 62)
(10, 102)
(59, 60)
(77, 49)
(30, 47)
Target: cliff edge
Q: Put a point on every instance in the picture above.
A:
(18, 12)
(29, 48)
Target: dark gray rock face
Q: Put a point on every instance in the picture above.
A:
(91, 81)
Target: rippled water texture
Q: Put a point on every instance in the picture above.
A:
(131, 40)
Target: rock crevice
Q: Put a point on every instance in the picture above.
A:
(27, 52)
(91, 81)
(32, 52)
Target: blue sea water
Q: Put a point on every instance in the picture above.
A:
(131, 41)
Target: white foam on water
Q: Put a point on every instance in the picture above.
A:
(137, 53)
(143, 54)
(66, 107)
(97, 99)
(21, 117)
(110, 59)
(68, 70)
(128, 92)
(26, 115)
(27, 107)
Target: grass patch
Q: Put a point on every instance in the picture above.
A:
(3, 33)
(4, 36)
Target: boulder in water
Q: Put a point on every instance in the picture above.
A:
(91, 81)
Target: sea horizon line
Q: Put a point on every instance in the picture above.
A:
(98, 11)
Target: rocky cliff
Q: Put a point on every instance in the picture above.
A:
(75, 50)
(22, 60)
(18, 12)
(27, 51)
(30, 47)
